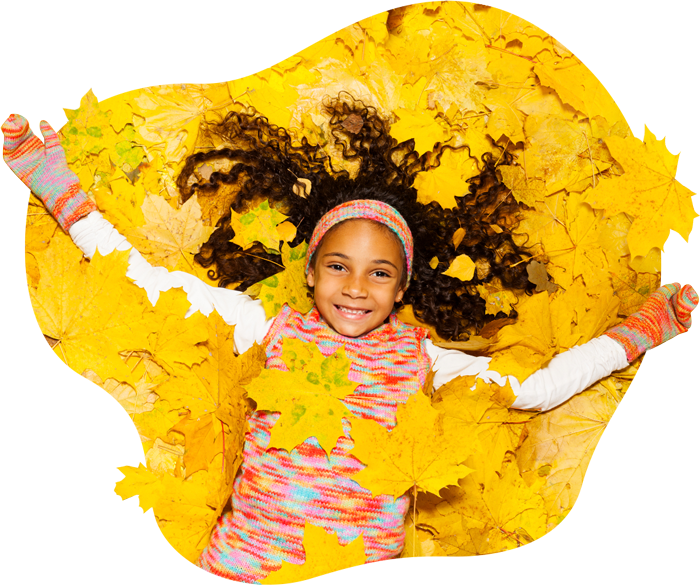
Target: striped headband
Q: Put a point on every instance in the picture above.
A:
(364, 209)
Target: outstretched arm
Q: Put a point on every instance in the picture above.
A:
(43, 168)
(665, 314)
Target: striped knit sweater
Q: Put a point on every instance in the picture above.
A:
(276, 492)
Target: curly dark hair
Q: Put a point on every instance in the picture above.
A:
(258, 160)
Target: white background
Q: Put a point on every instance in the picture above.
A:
(33, 554)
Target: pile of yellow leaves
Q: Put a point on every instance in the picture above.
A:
(598, 205)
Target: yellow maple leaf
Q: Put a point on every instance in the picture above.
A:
(308, 396)
(170, 235)
(116, 97)
(525, 189)
(549, 324)
(201, 388)
(183, 514)
(288, 286)
(562, 153)
(172, 338)
(444, 183)
(120, 202)
(213, 395)
(477, 408)
(622, 76)
(323, 554)
(169, 115)
(505, 120)
(530, 341)
(269, 92)
(90, 308)
(420, 126)
(491, 511)
(88, 521)
(560, 443)
(104, 409)
(648, 191)
(417, 453)
(489, 23)
(570, 233)
(457, 77)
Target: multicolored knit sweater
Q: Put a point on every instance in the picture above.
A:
(276, 492)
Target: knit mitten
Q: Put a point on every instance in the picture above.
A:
(44, 170)
(665, 314)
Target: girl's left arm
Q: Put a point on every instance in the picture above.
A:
(42, 167)
(665, 314)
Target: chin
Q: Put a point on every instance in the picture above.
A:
(350, 331)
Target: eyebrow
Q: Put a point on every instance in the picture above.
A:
(344, 257)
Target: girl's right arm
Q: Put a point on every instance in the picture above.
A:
(44, 170)
(93, 232)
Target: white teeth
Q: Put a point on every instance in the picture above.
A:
(352, 311)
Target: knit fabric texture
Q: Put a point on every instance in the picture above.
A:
(43, 168)
(665, 314)
(276, 492)
(364, 209)
(650, 570)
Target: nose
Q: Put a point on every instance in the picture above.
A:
(355, 287)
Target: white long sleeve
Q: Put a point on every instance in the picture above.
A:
(566, 375)
(93, 232)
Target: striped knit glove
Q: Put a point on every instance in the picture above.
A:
(665, 314)
(44, 170)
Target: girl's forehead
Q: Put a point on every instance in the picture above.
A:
(362, 233)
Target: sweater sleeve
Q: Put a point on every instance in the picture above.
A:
(566, 375)
(93, 232)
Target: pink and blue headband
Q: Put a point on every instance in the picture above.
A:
(364, 209)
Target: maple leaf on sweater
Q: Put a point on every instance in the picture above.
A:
(308, 396)
(324, 554)
(419, 452)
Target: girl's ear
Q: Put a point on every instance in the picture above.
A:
(399, 294)
(310, 277)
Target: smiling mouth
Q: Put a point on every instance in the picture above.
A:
(349, 311)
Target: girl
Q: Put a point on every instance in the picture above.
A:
(361, 261)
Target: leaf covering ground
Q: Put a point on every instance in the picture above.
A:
(598, 205)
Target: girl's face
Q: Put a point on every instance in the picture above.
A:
(357, 276)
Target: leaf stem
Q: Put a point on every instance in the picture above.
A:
(261, 258)
(489, 46)
(415, 497)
